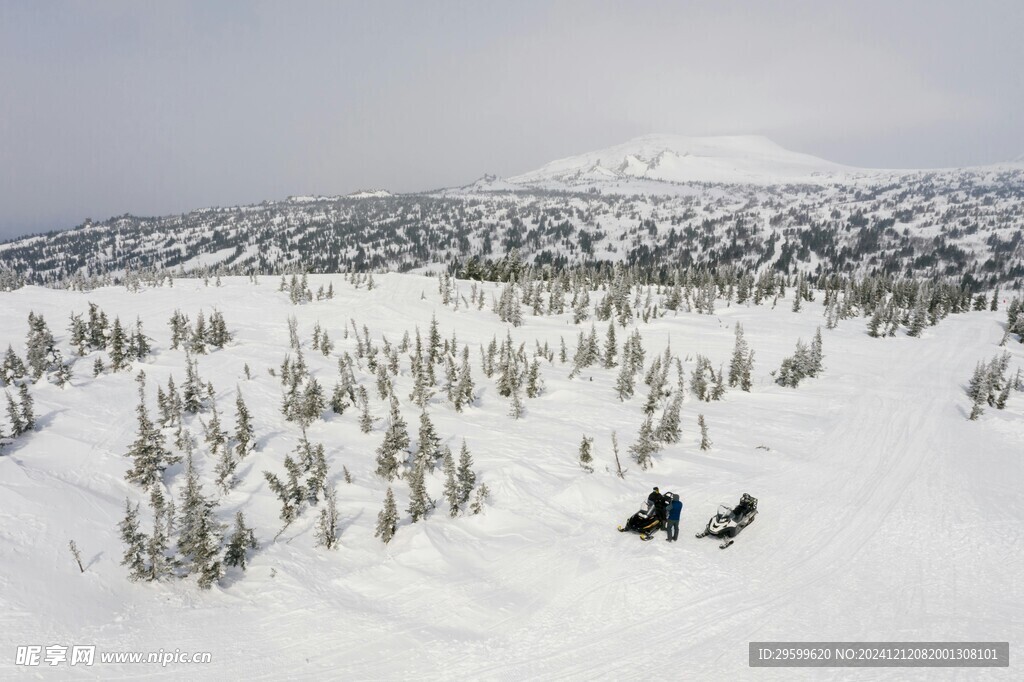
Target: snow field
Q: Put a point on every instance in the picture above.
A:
(884, 513)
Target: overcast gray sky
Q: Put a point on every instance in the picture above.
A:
(159, 107)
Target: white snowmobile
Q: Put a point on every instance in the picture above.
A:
(728, 522)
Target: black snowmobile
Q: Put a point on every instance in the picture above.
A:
(645, 522)
(727, 523)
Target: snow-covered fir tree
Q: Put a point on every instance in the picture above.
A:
(646, 445)
(396, 440)
(451, 484)
(429, 446)
(668, 427)
(482, 494)
(149, 454)
(586, 459)
(420, 503)
(290, 493)
(135, 542)
(387, 518)
(705, 441)
(241, 540)
(327, 524)
(465, 475)
(245, 436)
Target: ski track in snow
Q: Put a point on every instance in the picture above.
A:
(884, 513)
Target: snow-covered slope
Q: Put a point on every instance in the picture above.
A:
(884, 513)
(674, 158)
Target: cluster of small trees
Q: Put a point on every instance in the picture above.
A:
(198, 339)
(990, 385)
(805, 362)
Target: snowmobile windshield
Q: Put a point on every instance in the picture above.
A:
(724, 510)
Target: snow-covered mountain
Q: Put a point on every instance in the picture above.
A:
(732, 159)
(657, 201)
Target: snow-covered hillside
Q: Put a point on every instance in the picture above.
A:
(885, 514)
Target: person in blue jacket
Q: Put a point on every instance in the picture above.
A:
(674, 511)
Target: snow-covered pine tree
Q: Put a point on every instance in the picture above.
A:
(586, 459)
(314, 461)
(668, 428)
(624, 383)
(610, 347)
(419, 502)
(218, 335)
(739, 357)
(12, 368)
(465, 475)
(119, 358)
(198, 340)
(290, 494)
(482, 493)
(149, 453)
(138, 343)
(135, 542)
(815, 356)
(645, 446)
(312, 403)
(245, 435)
(78, 334)
(242, 538)
(429, 447)
(157, 544)
(705, 441)
(365, 420)
(179, 329)
(534, 383)
(387, 518)
(464, 391)
(39, 346)
(192, 391)
(451, 485)
(327, 525)
(396, 439)
(98, 326)
(748, 368)
(206, 563)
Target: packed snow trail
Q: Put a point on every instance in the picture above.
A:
(884, 514)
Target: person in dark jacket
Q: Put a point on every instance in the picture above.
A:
(674, 511)
(656, 503)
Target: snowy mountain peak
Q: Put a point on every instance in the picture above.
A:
(370, 194)
(750, 159)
